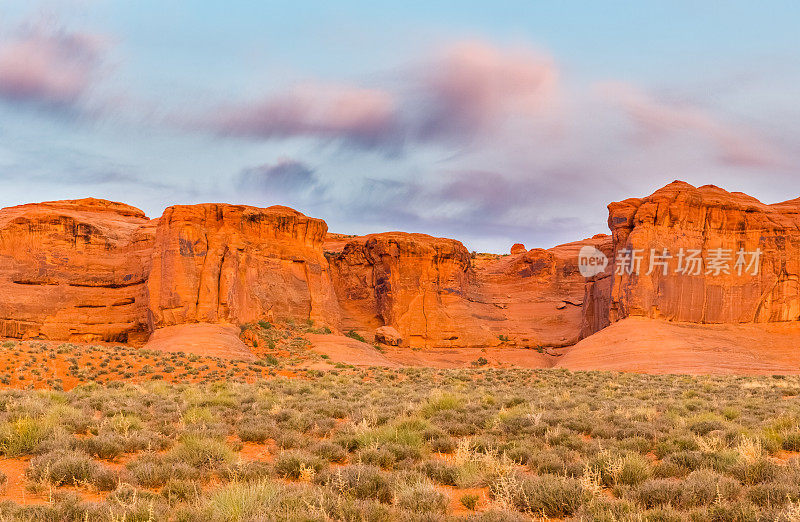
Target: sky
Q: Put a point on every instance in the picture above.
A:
(489, 122)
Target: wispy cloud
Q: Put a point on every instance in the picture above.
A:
(48, 66)
(474, 88)
(658, 120)
(469, 90)
(283, 177)
(357, 116)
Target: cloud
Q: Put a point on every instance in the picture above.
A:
(660, 120)
(357, 116)
(474, 88)
(286, 176)
(470, 89)
(48, 66)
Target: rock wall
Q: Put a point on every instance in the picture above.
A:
(416, 283)
(238, 264)
(749, 256)
(93, 270)
(437, 295)
(75, 270)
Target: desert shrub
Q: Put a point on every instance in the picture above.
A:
(469, 501)
(355, 335)
(421, 497)
(791, 441)
(294, 464)
(755, 472)
(255, 429)
(177, 490)
(657, 492)
(360, 482)
(772, 494)
(440, 472)
(628, 470)
(23, 436)
(329, 451)
(602, 509)
(106, 446)
(380, 457)
(202, 452)
(153, 471)
(74, 468)
(549, 495)
(247, 471)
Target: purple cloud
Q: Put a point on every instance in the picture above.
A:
(474, 89)
(362, 117)
(285, 176)
(470, 89)
(49, 67)
(658, 120)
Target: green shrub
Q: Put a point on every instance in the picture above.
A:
(202, 452)
(422, 498)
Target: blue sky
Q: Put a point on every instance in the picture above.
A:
(494, 124)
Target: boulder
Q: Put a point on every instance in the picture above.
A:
(518, 248)
(388, 335)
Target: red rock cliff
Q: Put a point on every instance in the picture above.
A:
(237, 264)
(749, 257)
(74, 270)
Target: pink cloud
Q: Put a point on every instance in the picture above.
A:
(469, 89)
(351, 113)
(656, 119)
(49, 67)
(474, 88)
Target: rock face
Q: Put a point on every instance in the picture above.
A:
(704, 255)
(436, 295)
(415, 283)
(536, 297)
(93, 270)
(75, 270)
(238, 264)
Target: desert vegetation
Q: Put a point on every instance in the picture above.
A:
(405, 444)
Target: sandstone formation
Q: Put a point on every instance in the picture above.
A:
(518, 248)
(746, 268)
(436, 295)
(93, 270)
(415, 283)
(75, 270)
(239, 264)
(388, 335)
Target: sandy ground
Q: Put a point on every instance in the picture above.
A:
(345, 350)
(655, 346)
(211, 340)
